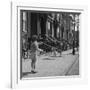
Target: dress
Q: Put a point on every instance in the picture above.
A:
(34, 49)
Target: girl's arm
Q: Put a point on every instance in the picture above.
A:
(40, 43)
(37, 47)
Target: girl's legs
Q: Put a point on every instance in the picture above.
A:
(33, 65)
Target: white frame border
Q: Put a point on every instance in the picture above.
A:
(15, 43)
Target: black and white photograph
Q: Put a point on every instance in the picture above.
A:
(49, 43)
(45, 45)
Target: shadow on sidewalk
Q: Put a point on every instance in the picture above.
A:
(48, 59)
(70, 54)
(26, 73)
(55, 56)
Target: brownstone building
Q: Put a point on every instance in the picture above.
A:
(60, 26)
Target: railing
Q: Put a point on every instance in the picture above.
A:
(53, 42)
(50, 43)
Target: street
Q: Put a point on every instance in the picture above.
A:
(48, 65)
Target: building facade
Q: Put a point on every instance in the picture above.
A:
(61, 26)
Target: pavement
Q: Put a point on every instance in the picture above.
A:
(74, 70)
(49, 65)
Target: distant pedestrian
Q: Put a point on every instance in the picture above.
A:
(34, 49)
(60, 48)
(73, 51)
(77, 45)
(53, 51)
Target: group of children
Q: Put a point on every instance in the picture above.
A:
(34, 49)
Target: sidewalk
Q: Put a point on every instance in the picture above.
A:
(69, 51)
(51, 66)
(74, 69)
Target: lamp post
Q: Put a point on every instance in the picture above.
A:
(73, 51)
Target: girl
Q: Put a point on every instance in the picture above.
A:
(34, 50)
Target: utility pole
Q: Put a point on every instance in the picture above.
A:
(73, 51)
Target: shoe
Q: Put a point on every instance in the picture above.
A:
(33, 71)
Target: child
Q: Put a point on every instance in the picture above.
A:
(60, 48)
(54, 51)
(34, 49)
